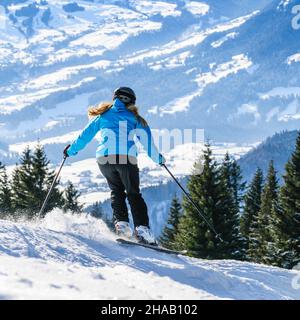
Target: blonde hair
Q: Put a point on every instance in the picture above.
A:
(105, 106)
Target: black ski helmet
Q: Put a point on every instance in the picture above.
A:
(127, 92)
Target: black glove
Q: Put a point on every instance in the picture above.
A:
(161, 160)
(66, 151)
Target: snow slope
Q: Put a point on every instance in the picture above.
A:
(76, 257)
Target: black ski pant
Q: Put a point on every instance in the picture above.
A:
(124, 181)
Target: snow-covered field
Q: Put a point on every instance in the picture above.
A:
(59, 57)
(76, 257)
(72, 51)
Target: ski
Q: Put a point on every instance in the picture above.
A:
(149, 246)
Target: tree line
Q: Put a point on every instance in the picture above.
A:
(22, 195)
(258, 222)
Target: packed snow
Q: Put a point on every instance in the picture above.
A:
(248, 109)
(283, 3)
(76, 257)
(284, 92)
(293, 58)
(291, 112)
(216, 73)
(151, 7)
(191, 38)
(93, 41)
(197, 8)
(91, 31)
(65, 138)
(218, 43)
(20, 101)
(238, 62)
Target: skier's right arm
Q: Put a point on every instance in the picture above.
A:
(144, 135)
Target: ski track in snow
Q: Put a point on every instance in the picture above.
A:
(76, 257)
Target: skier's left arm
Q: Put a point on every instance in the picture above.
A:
(87, 134)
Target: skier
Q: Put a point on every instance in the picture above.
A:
(119, 123)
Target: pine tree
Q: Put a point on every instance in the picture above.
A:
(193, 233)
(5, 193)
(167, 238)
(22, 185)
(71, 202)
(237, 184)
(42, 179)
(281, 255)
(96, 210)
(252, 204)
(289, 224)
(31, 182)
(231, 193)
(263, 249)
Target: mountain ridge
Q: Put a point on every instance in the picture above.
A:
(278, 148)
(89, 74)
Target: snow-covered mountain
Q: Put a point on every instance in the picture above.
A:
(230, 67)
(76, 257)
(278, 148)
(211, 64)
(206, 64)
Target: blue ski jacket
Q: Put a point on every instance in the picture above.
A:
(119, 128)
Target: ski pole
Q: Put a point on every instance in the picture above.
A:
(51, 188)
(194, 204)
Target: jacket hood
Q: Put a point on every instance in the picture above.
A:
(118, 105)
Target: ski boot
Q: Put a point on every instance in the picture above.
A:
(123, 229)
(144, 235)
